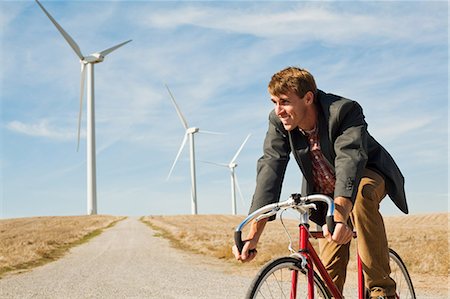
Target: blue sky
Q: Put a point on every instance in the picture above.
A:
(217, 58)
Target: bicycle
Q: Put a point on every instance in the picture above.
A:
(294, 276)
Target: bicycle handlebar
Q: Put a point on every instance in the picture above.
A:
(300, 203)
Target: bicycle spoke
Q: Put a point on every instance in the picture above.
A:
(275, 281)
(399, 273)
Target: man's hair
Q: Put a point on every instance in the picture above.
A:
(292, 79)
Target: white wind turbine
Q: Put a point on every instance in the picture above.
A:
(87, 64)
(234, 183)
(189, 134)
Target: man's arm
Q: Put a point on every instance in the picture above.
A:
(342, 233)
(249, 251)
(342, 208)
(271, 169)
(351, 157)
(350, 146)
(272, 165)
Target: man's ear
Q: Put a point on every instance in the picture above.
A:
(309, 97)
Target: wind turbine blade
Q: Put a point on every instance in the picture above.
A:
(213, 163)
(240, 149)
(244, 202)
(66, 36)
(107, 51)
(83, 80)
(210, 132)
(178, 155)
(180, 115)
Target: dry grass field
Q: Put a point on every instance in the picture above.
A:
(421, 240)
(29, 242)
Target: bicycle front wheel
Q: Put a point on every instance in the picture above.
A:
(400, 275)
(274, 280)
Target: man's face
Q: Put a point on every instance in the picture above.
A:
(294, 111)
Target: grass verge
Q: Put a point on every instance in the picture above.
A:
(26, 243)
(212, 235)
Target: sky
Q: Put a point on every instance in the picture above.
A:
(217, 58)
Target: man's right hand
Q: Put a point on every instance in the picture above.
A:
(248, 252)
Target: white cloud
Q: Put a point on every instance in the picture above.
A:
(399, 126)
(8, 13)
(302, 21)
(217, 58)
(43, 128)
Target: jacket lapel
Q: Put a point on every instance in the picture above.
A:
(325, 145)
(300, 150)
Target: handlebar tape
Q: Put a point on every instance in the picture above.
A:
(239, 243)
(330, 224)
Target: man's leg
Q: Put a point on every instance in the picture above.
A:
(372, 240)
(335, 259)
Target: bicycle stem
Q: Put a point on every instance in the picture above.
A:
(295, 201)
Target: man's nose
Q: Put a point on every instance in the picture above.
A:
(278, 109)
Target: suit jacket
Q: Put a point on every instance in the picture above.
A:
(345, 144)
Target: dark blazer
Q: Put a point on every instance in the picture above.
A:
(346, 145)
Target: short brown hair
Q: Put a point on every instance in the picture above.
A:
(292, 79)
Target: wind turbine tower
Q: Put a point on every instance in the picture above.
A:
(87, 65)
(234, 183)
(189, 134)
(232, 165)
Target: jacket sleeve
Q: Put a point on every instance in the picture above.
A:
(271, 167)
(351, 149)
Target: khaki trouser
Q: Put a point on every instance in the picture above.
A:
(372, 241)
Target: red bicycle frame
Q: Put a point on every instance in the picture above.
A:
(309, 253)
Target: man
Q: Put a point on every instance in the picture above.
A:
(328, 137)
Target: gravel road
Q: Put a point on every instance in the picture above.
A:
(126, 261)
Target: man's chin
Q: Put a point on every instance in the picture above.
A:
(289, 127)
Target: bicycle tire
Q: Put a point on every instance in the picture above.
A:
(399, 272)
(271, 282)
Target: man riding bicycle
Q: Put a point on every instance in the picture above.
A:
(328, 137)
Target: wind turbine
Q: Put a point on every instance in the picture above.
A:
(234, 184)
(87, 65)
(189, 134)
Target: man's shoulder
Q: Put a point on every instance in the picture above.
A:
(329, 99)
(334, 104)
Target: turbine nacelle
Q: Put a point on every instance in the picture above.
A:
(234, 183)
(93, 58)
(192, 130)
(188, 135)
(232, 165)
(86, 63)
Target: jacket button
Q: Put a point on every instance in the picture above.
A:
(349, 185)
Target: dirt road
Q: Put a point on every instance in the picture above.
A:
(126, 261)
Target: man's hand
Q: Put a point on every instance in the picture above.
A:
(248, 252)
(342, 233)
